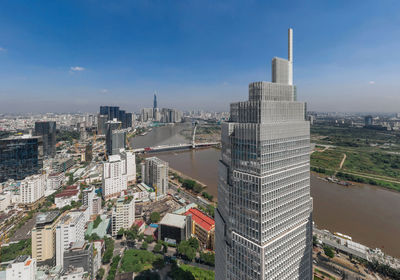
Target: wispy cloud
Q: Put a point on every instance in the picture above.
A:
(371, 82)
(104, 90)
(77, 68)
(3, 49)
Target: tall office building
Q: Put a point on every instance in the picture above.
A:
(48, 132)
(101, 124)
(20, 156)
(111, 111)
(263, 219)
(155, 102)
(156, 175)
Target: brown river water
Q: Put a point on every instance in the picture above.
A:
(370, 214)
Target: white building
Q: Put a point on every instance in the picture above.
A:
(23, 268)
(64, 198)
(129, 160)
(263, 219)
(114, 177)
(71, 228)
(33, 188)
(123, 214)
(98, 247)
(156, 175)
(55, 180)
(5, 200)
(88, 195)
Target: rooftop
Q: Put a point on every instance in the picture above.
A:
(174, 220)
(201, 219)
(48, 217)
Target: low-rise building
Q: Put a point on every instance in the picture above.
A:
(64, 198)
(175, 228)
(22, 268)
(55, 180)
(79, 254)
(203, 227)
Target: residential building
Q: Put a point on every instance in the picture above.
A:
(20, 156)
(156, 175)
(22, 268)
(32, 188)
(175, 228)
(71, 228)
(79, 255)
(96, 207)
(203, 227)
(88, 195)
(114, 179)
(47, 130)
(123, 214)
(112, 112)
(263, 219)
(146, 114)
(44, 237)
(129, 161)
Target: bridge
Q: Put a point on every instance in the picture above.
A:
(164, 148)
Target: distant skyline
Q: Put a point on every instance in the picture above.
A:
(70, 56)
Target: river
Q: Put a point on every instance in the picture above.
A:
(370, 214)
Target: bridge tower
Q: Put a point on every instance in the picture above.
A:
(194, 134)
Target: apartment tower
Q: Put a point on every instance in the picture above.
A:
(264, 214)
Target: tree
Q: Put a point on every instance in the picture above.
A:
(157, 248)
(97, 222)
(329, 251)
(208, 258)
(144, 245)
(158, 263)
(155, 217)
(149, 239)
(194, 243)
(120, 232)
(186, 250)
(100, 273)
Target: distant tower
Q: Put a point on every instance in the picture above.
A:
(155, 102)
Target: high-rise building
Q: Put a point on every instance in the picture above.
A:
(156, 175)
(123, 214)
(155, 101)
(147, 114)
(20, 156)
(101, 124)
(88, 195)
(71, 228)
(111, 111)
(129, 161)
(115, 137)
(129, 120)
(44, 237)
(263, 219)
(48, 132)
(114, 177)
(33, 188)
(22, 268)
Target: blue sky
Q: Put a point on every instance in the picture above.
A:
(59, 56)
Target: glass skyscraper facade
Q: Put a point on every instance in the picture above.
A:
(264, 214)
(47, 129)
(20, 157)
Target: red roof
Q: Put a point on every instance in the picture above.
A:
(72, 187)
(66, 193)
(139, 223)
(201, 219)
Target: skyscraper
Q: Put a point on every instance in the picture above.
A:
(264, 214)
(20, 156)
(155, 102)
(48, 132)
